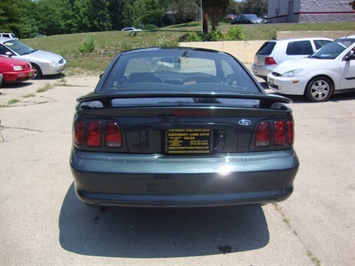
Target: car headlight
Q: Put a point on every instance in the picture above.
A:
(54, 64)
(292, 73)
(17, 68)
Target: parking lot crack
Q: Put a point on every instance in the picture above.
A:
(310, 254)
(2, 128)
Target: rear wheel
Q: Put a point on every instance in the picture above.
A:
(38, 71)
(319, 89)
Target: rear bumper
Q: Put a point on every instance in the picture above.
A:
(159, 181)
(262, 71)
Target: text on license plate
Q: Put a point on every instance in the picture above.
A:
(188, 141)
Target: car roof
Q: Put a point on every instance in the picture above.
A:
(301, 39)
(348, 37)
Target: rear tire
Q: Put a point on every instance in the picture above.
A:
(319, 89)
(38, 71)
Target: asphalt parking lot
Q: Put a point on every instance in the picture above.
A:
(43, 223)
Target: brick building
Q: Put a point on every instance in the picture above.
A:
(306, 11)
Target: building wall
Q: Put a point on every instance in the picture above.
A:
(278, 11)
(243, 50)
(307, 11)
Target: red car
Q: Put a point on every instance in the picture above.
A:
(14, 70)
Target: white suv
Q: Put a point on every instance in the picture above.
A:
(274, 52)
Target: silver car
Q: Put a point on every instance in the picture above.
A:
(272, 53)
(44, 63)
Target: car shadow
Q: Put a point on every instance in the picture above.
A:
(16, 85)
(30, 82)
(159, 233)
(52, 77)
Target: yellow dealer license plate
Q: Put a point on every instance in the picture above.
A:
(188, 141)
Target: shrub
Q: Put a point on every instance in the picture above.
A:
(88, 45)
(193, 37)
(150, 27)
(216, 36)
(163, 41)
(235, 33)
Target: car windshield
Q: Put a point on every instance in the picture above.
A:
(250, 16)
(19, 47)
(333, 49)
(179, 70)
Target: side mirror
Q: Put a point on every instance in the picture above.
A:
(9, 54)
(350, 57)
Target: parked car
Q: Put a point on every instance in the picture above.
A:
(14, 71)
(44, 63)
(230, 17)
(248, 19)
(40, 36)
(1, 80)
(274, 52)
(9, 35)
(173, 127)
(328, 71)
(131, 29)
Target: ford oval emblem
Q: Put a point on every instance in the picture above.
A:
(244, 122)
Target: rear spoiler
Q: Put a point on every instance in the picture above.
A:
(266, 100)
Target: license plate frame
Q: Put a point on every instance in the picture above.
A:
(188, 141)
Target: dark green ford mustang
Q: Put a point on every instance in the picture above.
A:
(181, 127)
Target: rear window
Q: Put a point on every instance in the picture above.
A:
(299, 48)
(266, 48)
(190, 69)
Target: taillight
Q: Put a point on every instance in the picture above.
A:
(113, 135)
(93, 137)
(279, 133)
(78, 134)
(263, 134)
(93, 133)
(270, 61)
(290, 131)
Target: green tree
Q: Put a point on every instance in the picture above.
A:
(81, 19)
(99, 15)
(152, 12)
(49, 16)
(186, 10)
(215, 10)
(258, 7)
(16, 16)
(123, 13)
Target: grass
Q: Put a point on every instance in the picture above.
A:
(314, 259)
(29, 95)
(46, 87)
(109, 44)
(13, 101)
